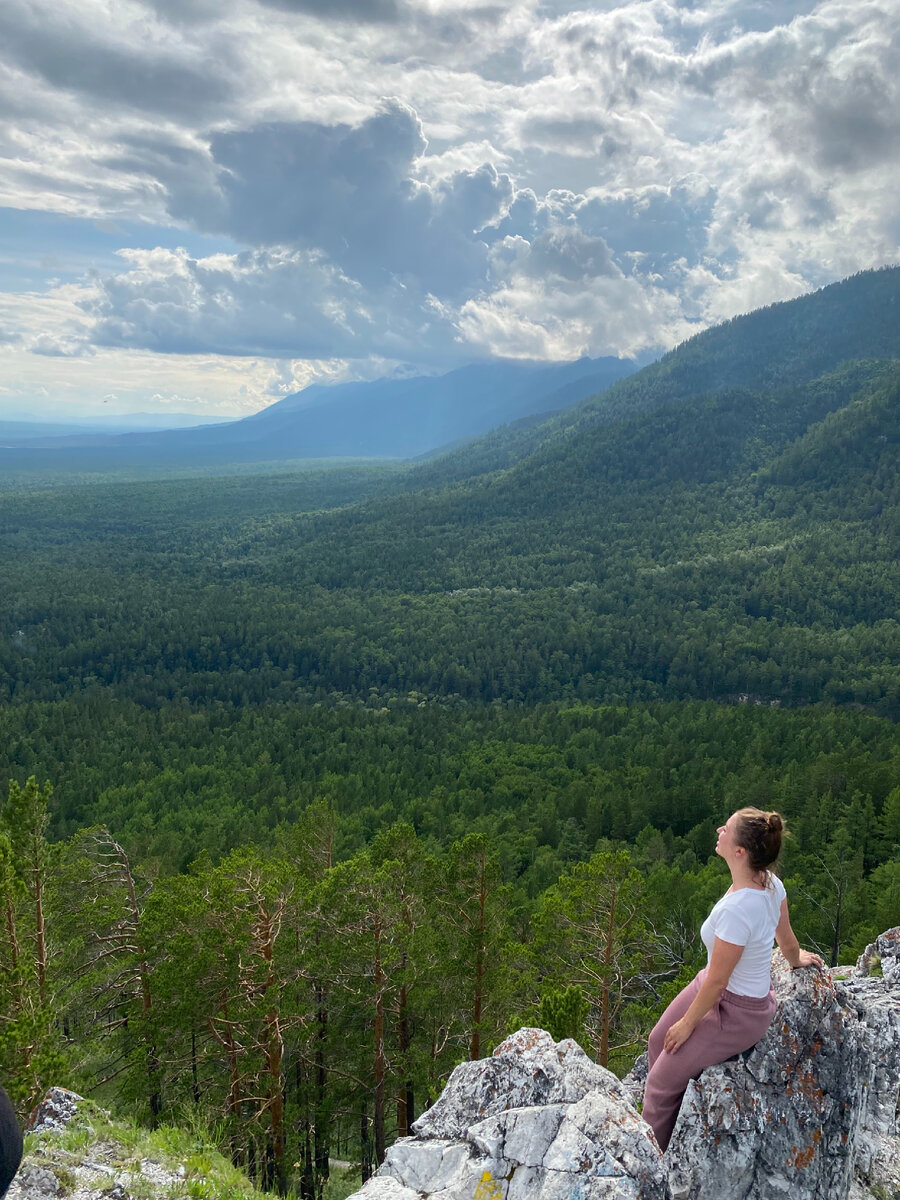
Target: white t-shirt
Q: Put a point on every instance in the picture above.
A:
(747, 918)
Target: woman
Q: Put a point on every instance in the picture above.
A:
(730, 1004)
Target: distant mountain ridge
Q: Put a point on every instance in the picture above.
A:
(13, 429)
(783, 345)
(386, 418)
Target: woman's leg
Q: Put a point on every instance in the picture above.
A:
(669, 1073)
(673, 1013)
(10, 1143)
(735, 1024)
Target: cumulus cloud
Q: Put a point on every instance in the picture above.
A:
(607, 314)
(548, 179)
(280, 303)
(347, 191)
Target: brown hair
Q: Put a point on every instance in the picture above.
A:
(759, 833)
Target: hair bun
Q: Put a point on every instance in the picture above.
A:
(775, 822)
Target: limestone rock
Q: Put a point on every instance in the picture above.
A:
(385, 1187)
(37, 1181)
(536, 1121)
(56, 1110)
(811, 1107)
(886, 948)
(527, 1069)
(99, 1167)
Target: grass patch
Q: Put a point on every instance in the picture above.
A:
(199, 1170)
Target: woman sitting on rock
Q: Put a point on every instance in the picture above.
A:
(730, 1004)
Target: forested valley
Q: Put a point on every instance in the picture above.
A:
(353, 769)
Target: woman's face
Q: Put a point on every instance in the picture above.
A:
(725, 844)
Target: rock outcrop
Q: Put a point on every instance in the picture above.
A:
(78, 1152)
(810, 1112)
(537, 1119)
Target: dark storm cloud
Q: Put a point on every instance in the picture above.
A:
(568, 253)
(343, 10)
(851, 122)
(661, 224)
(345, 190)
(68, 54)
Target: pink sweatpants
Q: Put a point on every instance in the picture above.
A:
(734, 1024)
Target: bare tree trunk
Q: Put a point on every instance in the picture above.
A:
(146, 994)
(274, 1047)
(40, 939)
(320, 1135)
(836, 941)
(478, 999)
(239, 1149)
(195, 1082)
(380, 1062)
(365, 1149)
(608, 957)
(405, 1115)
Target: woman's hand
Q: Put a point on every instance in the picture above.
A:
(808, 959)
(677, 1035)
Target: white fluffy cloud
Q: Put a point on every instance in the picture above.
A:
(425, 181)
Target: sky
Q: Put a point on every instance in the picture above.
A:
(209, 204)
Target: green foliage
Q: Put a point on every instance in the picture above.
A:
(564, 1012)
(590, 930)
(31, 1057)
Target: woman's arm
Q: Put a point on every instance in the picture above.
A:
(723, 960)
(789, 946)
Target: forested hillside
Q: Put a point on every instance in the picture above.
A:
(379, 751)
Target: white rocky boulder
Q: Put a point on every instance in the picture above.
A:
(535, 1121)
(811, 1111)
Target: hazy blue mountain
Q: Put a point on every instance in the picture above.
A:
(773, 349)
(390, 418)
(34, 432)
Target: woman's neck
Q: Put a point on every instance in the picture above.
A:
(746, 877)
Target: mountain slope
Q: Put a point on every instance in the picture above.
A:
(384, 418)
(774, 348)
(743, 541)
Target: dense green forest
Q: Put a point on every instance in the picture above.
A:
(350, 766)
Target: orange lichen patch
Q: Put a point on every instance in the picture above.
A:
(822, 985)
(804, 1083)
(802, 1158)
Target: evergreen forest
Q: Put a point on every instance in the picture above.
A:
(325, 777)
